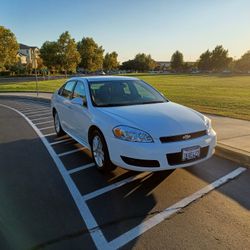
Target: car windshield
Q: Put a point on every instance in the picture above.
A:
(123, 92)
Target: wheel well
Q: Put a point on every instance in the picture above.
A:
(91, 130)
(53, 111)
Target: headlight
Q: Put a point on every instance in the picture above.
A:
(131, 134)
(208, 124)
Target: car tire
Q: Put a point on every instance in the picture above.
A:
(100, 152)
(57, 125)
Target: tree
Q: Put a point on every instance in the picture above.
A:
(220, 59)
(91, 54)
(68, 55)
(144, 62)
(177, 61)
(205, 61)
(8, 48)
(243, 64)
(49, 53)
(129, 65)
(18, 68)
(110, 61)
(141, 62)
(60, 55)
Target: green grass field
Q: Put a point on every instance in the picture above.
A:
(222, 95)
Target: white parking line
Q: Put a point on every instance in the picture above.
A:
(34, 103)
(39, 114)
(61, 141)
(23, 108)
(50, 134)
(33, 111)
(114, 186)
(39, 123)
(74, 170)
(155, 220)
(71, 152)
(46, 128)
(41, 118)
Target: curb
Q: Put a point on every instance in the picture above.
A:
(221, 150)
(43, 99)
(233, 154)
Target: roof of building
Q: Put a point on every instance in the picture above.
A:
(23, 46)
(21, 54)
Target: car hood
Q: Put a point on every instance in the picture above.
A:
(159, 119)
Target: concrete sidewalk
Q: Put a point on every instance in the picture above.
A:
(233, 134)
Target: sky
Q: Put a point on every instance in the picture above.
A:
(156, 27)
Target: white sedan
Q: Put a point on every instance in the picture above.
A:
(126, 122)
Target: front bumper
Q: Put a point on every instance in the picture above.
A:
(157, 151)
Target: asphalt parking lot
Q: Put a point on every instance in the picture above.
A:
(52, 196)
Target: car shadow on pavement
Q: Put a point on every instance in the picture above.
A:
(122, 209)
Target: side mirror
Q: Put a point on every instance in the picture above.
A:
(79, 101)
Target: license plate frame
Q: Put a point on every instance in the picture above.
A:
(191, 153)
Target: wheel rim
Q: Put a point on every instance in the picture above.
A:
(57, 123)
(98, 151)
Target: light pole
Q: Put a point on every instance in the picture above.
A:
(35, 66)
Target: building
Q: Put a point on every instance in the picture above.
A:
(21, 58)
(164, 65)
(31, 53)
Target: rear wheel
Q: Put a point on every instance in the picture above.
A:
(57, 125)
(100, 152)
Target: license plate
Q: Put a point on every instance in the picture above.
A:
(190, 153)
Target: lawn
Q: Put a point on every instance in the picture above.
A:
(222, 95)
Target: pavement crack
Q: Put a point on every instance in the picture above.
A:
(92, 230)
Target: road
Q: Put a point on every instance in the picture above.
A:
(52, 196)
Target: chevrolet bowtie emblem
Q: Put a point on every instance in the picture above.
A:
(186, 137)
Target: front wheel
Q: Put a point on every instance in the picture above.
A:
(100, 152)
(57, 125)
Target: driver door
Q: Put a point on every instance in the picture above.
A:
(80, 114)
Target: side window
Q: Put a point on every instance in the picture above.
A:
(61, 89)
(79, 90)
(68, 89)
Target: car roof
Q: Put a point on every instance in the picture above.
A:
(103, 78)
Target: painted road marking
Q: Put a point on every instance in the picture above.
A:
(46, 128)
(61, 141)
(114, 186)
(40, 114)
(71, 151)
(41, 118)
(33, 111)
(39, 123)
(30, 102)
(74, 170)
(49, 134)
(28, 107)
(155, 220)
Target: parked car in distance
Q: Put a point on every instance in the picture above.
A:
(126, 122)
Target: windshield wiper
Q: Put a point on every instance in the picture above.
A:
(151, 102)
(128, 104)
(113, 105)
